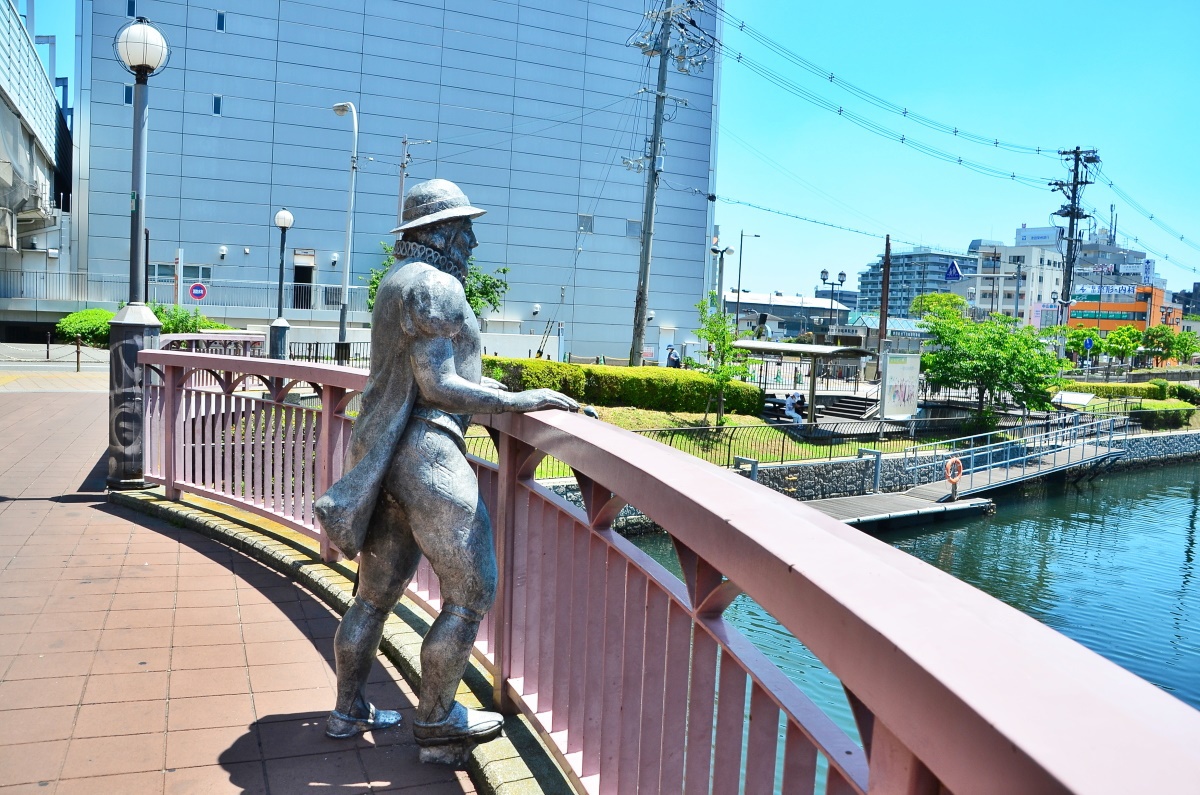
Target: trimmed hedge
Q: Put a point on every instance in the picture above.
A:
(653, 388)
(1113, 390)
(1167, 414)
(91, 325)
(1187, 393)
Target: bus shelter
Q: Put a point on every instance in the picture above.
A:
(814, 354)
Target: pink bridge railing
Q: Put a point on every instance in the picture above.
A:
(618, 664)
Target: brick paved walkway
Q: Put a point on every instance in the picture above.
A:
(137, 657)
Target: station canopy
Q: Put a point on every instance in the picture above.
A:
(807, 351)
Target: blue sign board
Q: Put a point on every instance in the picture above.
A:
(1087, 344)
(953, 273)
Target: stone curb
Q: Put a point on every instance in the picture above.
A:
(513, 764)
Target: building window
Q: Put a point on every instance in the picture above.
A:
(216, 104)
(633, 228)
(131, 8)
(128, 95)
(197, 273)
(586, 224)
(221, 21)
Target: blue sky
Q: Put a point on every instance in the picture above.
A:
(1116, 76)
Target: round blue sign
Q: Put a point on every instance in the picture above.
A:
(1087, 344)
(198, 291)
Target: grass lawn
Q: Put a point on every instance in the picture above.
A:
(744, 436)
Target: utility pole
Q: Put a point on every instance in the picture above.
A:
(885, 285)
(405, 159)
(1080, 160)
(653, 169)
(1017, 297)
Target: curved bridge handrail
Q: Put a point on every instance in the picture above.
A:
(618, 666)
(329, 374)
(984, 697)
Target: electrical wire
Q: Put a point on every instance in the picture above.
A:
(1137, 207)
(825, 74)
(871, 126)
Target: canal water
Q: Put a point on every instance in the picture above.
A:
(1110, 564)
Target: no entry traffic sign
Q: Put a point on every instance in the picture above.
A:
(198, 291)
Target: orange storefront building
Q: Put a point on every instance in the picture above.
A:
(1111, 305)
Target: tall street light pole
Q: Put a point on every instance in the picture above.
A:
(721, 252)
(143, 50)
(737, 312)
(825, 280)
(277, 348)
(343, 347)
(841, 281)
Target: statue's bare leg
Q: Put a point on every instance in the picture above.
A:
(451, 525)
(389, 559)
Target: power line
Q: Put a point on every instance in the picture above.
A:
(875, 100)
(1141, 210)
(874, 127)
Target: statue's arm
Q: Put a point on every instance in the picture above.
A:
(442, 387)
(438, 311)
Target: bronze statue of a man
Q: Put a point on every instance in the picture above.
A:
(408, 489)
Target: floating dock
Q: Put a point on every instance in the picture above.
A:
(874, 509)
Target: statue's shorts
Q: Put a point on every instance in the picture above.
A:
(432, 507)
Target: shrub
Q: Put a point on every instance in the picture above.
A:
(653, 388)
(89, 324)
(1162, 386)
(1186, 393)
(1112, 390)
(1158, 415)
(177, 320)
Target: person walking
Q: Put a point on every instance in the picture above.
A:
(673, 357)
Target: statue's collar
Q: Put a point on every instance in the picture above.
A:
(408, 250)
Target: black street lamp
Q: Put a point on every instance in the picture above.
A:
(277, 348)
(143, 51)
(721, 252)
(829, 283)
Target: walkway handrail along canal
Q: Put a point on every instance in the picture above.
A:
(994, 454)
(618, 664)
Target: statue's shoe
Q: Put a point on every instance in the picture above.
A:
(341, 725)
(461, 725)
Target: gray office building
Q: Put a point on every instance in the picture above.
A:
(532, 107)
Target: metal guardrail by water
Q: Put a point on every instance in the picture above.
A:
(632, 677)
(992, 459)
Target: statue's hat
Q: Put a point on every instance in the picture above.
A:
(434, 201)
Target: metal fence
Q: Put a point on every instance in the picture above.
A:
(989, 459)
(781, 375)
(778, 443)
(114, 288)
(355, 354)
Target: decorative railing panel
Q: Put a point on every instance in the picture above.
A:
(634, 679)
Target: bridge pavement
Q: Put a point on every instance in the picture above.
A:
(138, 657)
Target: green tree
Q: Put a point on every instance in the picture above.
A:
(724, 362)
(1123, 342)
(993, 357)
(1185, 346)
(1159, 341)
(482, 289)
(1077, 338)
(935, 303)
